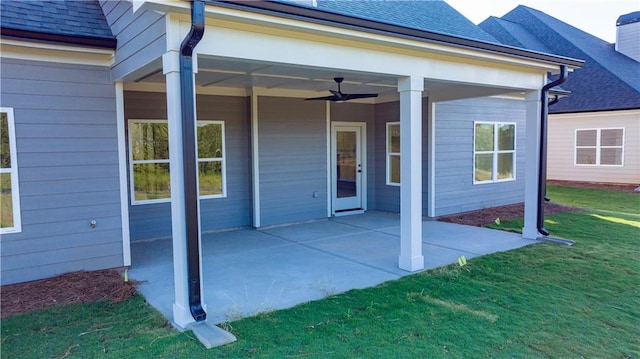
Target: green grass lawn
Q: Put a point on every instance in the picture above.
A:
(544, 300)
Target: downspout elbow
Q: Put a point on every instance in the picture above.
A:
(542, 170)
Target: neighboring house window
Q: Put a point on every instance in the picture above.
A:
(393, 153)
(599, 147)
(9, 192)
(149, 160)
(494, 152)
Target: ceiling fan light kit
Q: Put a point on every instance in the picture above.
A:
(339, 97)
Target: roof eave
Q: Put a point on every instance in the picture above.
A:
(323, 17)
(89, 41)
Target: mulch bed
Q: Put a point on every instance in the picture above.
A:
(76, 287)
(489, 215)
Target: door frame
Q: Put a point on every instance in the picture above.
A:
(331, 178)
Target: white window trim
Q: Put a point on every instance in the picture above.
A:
(15, 182)
(389, 154)
(222, 160)
(495, 152)
(598, 147)
(135, 202)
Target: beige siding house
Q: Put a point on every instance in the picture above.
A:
(577, 155)
(594, 133)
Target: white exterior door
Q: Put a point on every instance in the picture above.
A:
(347, 167)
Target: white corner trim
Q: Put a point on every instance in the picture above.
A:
(37, 51)
(330, 210)
(122, 166)
(255, 159)
(431, 172)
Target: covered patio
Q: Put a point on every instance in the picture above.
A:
(248, 271)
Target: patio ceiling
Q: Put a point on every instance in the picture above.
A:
(303, 81)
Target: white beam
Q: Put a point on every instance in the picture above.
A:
(532, 158)
(410, 88)
(171, 69)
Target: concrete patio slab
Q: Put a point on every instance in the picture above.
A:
(249, 271)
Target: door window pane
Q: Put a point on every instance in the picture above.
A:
(346, 163)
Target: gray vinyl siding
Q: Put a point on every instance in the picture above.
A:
(149, 221)
(67, 152)
(293, 160)
(141, 36)
(455, 191)
(354, 112)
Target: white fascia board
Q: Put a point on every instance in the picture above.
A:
(161, 6)
(278, 48)
(38, 51)
(339, 33)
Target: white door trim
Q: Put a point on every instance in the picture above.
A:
(363, 162)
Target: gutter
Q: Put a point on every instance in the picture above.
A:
(542, 169)
(190, 169)
(99, 42)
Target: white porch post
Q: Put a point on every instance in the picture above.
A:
(171, 69)
(410, 89)
(532, 158)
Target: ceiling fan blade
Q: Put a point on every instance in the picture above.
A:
(323, 98)
(354, 96)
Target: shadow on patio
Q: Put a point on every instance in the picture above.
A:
(248, 271)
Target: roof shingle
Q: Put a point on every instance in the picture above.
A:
(63, 18)
(609, 80)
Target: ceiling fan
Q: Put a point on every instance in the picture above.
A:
(338, 96)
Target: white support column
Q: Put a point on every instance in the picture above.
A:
(171, 69)
(410, 89)
(532, 158)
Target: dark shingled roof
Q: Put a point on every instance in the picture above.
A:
(65, 21)
(428, 15)
(629, 18)
(609, 80)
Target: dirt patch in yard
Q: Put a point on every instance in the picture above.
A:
(76, 287)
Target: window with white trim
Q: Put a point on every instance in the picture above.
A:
(149, 160)
(393, 153)
(599, 147)
(10, 221)
(494, 155)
